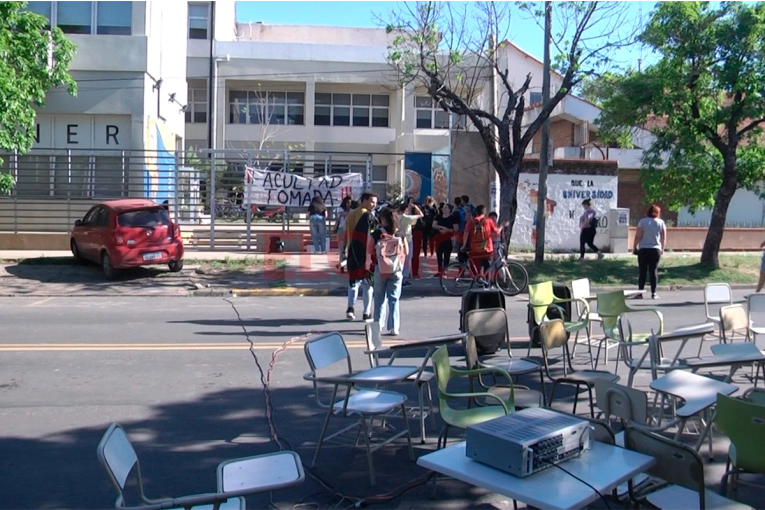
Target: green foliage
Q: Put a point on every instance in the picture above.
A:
(34, 60)
(704, 97)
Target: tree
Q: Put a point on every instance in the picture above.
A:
(705, 97)
(452, 54)
(35, 58)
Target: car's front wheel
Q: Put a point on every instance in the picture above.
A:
(106, 263)
(175, 265)
(75, 252)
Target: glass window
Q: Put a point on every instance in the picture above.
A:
(74, 17)
(322, 116)
(441, 120)
(423, 102)
(535, 97)
(380, 189)
(380, 101)
(295, 115)
(424, 118)
(323, 99)
(114, 18)
(144, 218)
(198, 16)
(42, 7)
(34, 176)
(258, 113)
(237, 100)
(379, 117)
(361, 116)
(91, 216)
(71, 176)
(109, 177)
(341, 99)
(379, 173)
(341, 116)
(361, 100)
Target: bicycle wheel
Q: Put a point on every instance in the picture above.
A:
(511, 278)
(456, 279)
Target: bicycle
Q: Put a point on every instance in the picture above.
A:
(509, 276)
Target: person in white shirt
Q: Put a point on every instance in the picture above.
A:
(407, 215)
(650, 241)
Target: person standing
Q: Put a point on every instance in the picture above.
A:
(650, 242)
(446, 226)
(317, 218)
(587, 228)
(342, 243)
(429, 212)
(391, 252)
(407, 216)
(358, 226)
(459, 237)
(479, 233)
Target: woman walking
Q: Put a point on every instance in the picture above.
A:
(587, 223)
(342, 213)
(650, 241)
(391, 251)
(317, 219)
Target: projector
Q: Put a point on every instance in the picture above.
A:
(527, 441)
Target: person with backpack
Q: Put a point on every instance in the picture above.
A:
(479, 233)
(391, 253)
(359, 225)
(588, 223)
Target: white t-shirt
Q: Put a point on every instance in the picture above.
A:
(405, 224)
(653, 231)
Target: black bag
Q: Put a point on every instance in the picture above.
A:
(481, 299)
(560, 290)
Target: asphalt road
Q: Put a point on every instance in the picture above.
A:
(179, 375)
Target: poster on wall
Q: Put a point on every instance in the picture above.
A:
(427, 174)
(159, 163)
(264, 187)
(563, 208)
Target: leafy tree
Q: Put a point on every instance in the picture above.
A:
(452, 53)
(35, 58)
(705, 97)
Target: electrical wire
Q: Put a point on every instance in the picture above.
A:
(572, 475)
(265, 380)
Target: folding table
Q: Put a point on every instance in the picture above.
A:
(732, 355)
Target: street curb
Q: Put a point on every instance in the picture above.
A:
(280, 291)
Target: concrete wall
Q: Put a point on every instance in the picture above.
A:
(470, 170)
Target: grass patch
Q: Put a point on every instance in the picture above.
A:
(237, 264)
(673, 271)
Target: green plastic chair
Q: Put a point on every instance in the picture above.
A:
(541, 297)
(612, 306)
(744, 423)
(464, 417)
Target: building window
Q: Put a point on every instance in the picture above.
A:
(74, 17)
(380, 181)
(199, 16)
(114, 18)
(535, 97)
(196, 111)
(358, 110)
(266, 107)
(105, 18)
(431, 116)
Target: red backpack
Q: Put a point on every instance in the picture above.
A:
(479, 237)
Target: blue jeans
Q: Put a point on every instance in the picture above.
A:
(388, 290)
(362, 286)
(318, 233)
(408, 261)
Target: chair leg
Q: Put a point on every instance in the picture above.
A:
(422, 415)
(321, 437)
(552, 394)
(442, 437)
(369, 451)
(430, 406)
(544, 390)
(409, 432)
(592, 404)
(576, 398)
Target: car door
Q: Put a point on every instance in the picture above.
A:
(101, 233)
(81, 233)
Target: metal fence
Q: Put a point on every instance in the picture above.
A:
(204, 191)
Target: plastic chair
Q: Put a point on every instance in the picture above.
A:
(755, 306)
(734, 320)
(716, 294)
(464, 417)
(523, 396)
(679, 467)
(117, 456)
(330, 365)
(553, 334)
(580, 289)
(541, 297)
(421, 379)
(612, 305)
(744, 423)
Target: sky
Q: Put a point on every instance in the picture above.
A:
(523, 32)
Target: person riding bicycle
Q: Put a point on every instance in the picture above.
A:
(479, 232)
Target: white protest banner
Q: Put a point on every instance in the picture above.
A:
(264, 187)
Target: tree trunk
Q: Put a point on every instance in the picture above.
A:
(508, 195)
(711, 250)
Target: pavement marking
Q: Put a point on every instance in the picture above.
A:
(220, 346)
(40, 302)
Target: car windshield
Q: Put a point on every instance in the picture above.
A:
(144, 218)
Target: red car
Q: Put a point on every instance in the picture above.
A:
(127, 233)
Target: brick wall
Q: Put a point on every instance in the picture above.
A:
(632, 196)
(561, 132)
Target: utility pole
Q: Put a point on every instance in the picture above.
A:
(544, 156)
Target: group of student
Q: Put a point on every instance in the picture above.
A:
(381, 250)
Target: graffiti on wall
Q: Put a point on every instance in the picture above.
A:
(563, 208)
(427, 174)
(159, 166)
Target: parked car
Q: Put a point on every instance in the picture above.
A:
(127, 233)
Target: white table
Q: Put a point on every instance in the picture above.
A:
(260, 473)
(698, 393)
(733, 355)
(603, 466)
(383, 374)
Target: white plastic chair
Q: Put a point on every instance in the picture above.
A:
(715, 296)
(580, 289)
(330, 365)
(734, 320)
(755, 306)
(119, 459)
